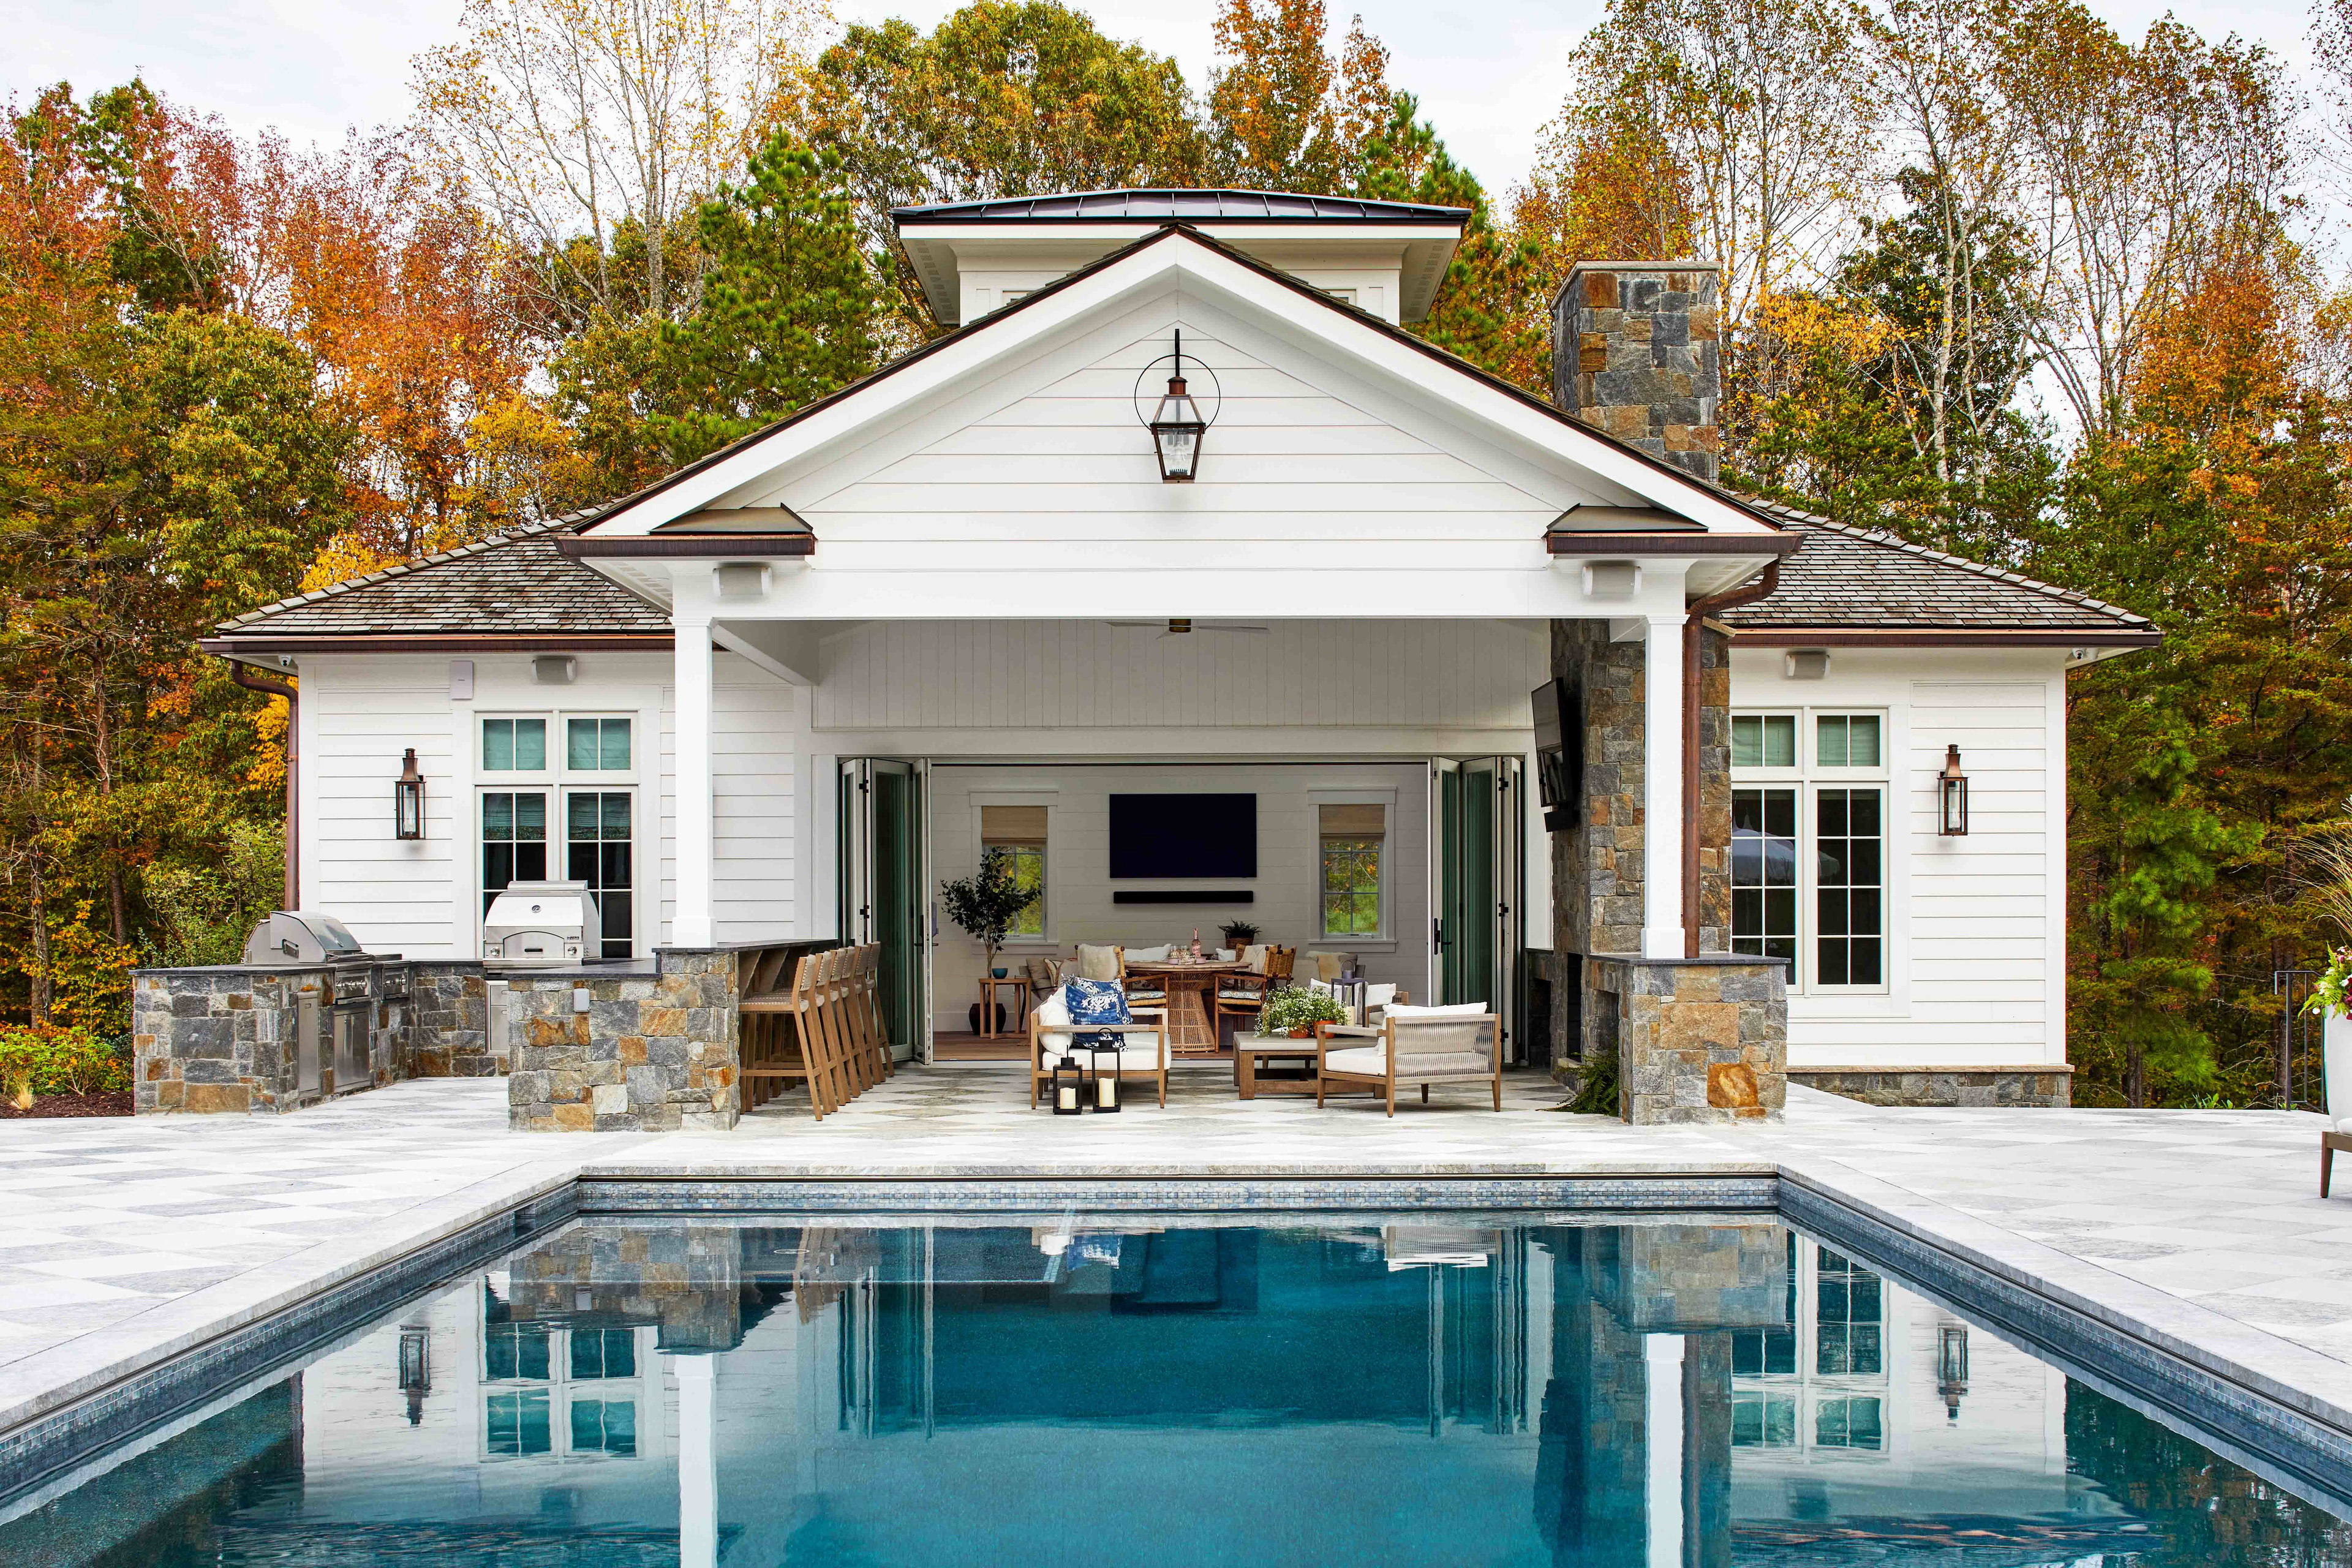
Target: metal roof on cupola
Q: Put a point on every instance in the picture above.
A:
(973, 257)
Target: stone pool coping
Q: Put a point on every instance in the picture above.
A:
(61, 1405)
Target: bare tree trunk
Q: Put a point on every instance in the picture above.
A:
(40, 999)
(118, 906)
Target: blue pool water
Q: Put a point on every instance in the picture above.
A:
(1344, 1389)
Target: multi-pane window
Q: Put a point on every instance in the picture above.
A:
(604, 1427)
(604, 1353)
(514, 745)
(1809, 845)
(1014, 836)
(596, 745)
(1771, 1353)
(1764, 741)
(514, 840)
(1851, 1422)
(1846, 740)
(518, 1424)
(1850, 887)
(1847, 1318)
(1764, 874)
(599, 849)
(1354, 845)
(1763, 1420)
(515, 1353)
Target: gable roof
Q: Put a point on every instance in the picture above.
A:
(1178, 205)
(1866, 584)
(512, 590)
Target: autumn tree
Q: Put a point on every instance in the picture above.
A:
(1002, 99)
(1286, 115)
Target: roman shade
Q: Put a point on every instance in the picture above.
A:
(1013, 825)
(1353, 821)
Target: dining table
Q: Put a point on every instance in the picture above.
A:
(1191, 1007)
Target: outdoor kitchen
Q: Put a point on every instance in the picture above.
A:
(585, 1043)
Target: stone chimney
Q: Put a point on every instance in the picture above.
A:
(1633, 354)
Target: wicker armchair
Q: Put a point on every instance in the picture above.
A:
(1411, 1045)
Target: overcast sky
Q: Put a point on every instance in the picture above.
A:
(1490, 72)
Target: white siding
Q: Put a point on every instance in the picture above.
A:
(752, 746)
(358, 716)
(1078, 893)
(1975, 923)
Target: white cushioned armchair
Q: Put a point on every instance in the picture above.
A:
(1423, 1045)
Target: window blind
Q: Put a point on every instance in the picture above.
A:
(1353, 821)
(1013, 825)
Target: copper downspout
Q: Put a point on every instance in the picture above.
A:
(1692, 627)
(242, 675)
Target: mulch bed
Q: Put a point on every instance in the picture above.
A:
(114, 1103)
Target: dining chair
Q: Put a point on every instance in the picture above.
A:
(1244, 995)
(1145, 993)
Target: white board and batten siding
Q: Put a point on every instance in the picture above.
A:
(1976, 924)
(422, 899)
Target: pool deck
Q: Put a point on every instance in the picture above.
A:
(131, 1240)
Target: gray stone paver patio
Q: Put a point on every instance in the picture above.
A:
(130, 1236)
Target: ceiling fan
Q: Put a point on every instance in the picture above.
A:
(1184, 625)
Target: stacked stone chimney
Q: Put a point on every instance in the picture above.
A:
(1633, 352)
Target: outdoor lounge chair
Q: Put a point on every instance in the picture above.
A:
(1050, 1033)
(1412, 1045)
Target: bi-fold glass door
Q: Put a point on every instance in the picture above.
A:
(884, 886)
(1478, 843)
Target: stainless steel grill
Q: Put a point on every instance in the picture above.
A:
(302, 936)
(335, 1013)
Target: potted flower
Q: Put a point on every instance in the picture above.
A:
(2328, 1000)
(1238, 935)
(1296, 1013)
(986, 903)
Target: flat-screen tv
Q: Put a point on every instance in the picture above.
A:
(1559, 751)
(1183, 836)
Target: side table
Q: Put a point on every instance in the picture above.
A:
(989, 984)
(1253, 1051)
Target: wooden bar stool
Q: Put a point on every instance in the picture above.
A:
(766, 1068)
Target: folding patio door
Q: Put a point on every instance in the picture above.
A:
(1477, 842)
(884, 864)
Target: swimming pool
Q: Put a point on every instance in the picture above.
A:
(1062, 1387)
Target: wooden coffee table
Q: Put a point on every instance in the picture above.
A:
(1253, 1051)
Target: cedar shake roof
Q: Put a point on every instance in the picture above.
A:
(510, 585)
(1847, 578)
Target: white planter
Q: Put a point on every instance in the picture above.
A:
(2336, 1046)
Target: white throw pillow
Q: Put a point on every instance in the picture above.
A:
(1224, 955)
(1054, 1010)
(1148, 954)
(1458, 1010)
(1380, 995)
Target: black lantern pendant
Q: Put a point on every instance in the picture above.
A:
(1105, 1065)
(408, 800)
(1069, 1088)
(1952, 1367)
(1951, 796)
(1177, 427)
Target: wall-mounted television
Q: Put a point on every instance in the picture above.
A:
(1183, 836)
(1559, 751)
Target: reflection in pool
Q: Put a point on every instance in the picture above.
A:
(1374, 1389)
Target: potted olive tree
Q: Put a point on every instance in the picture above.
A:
(986, 903)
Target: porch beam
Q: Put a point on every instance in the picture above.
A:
(1662, 824)
(694, 924)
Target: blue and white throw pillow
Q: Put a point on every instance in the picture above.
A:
(1096, 1002)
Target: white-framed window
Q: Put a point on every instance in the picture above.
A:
(557, 801)
(1818, 1386)
(1016, 836)
(1809, 845)
(556, 1392)
(1352, 859)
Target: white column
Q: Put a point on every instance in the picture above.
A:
(1663, 1484)
(1662, 824)
(693, 925)
(697, 1461)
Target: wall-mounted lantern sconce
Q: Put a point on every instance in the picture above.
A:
(1177, 425)
(1951, 796)
(1952, 1367)
(408, 800)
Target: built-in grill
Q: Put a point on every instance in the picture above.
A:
(532, 924)
(335, 1017)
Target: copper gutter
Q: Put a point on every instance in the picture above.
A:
(244, 676)
(1693, 624)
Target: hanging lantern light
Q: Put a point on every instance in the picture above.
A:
(1952, 796)
(408, 800)
(1069, 1086)
(1177, 426)
(1106, 1065)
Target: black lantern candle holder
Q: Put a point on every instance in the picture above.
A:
(1106, 1074)
(1069, 1086)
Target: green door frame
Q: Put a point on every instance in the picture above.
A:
(884, 860)
(1478, 868)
